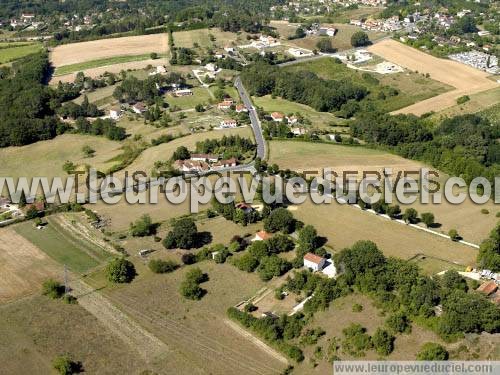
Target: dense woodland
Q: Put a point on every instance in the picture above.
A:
(26, 104)
(463, 146)
(302, 87)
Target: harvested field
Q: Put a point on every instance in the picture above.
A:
(74, 53)
(35, 330)
(300, 156)
(202, 37)
(23, 266)
(465, 79)
(116, 68)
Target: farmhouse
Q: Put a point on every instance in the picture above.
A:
(228, 123)
(298, 131)
(205, 157)
(139, 108)
(261, 236)
(297, 52)
(314, 262)
(488, 288)
(277, 116)
(160, 69)
(115, 113)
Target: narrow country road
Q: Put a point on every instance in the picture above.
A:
(254, 118)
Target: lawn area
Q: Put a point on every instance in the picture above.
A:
(66, 69)
(413, 87)
(13, 51)
(431, 266)
(200, 96)
(99, 97)
(58, 243)
(318, 119)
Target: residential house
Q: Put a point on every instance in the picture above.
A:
(298, 131)
(329, 31)
(183, 92)
(115, 112)
(246, 208)
(139, 108)
(241, 108)
(226, 163)
(205, 157)
(191, 166)
(228, 123)
(262, 236)
(225, 105)
(488, 288)
(329, 269)
(292, 120)
(277, 116)
(314, 262)
(160, 69)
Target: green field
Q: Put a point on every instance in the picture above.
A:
(413, 87)
(66, 69)
(13, 51)
(62, 246)
(200, 96)
(318, 119)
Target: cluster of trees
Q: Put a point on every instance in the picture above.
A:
(73, 110)
(360, 39)
(27, 105)
(356, 341)
(397, 285)
(184, 234)
(463, 146)
(143, 227)
(275, 330)
(261, 256)
(162, 266)
(227, 146)
(302, 87)
(489, 251)
(230, 212)
(182, 56)
(133, 89)
(190, 286)
(105, 127)
(120, 270)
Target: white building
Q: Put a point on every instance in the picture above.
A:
(314, 262)
(115, 113)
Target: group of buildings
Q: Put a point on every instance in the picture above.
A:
(292, 121)
(199, 163)
(477, 59)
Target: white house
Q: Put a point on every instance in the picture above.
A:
(211, 67)
(229, 49)
(183, 92)
(329, 269)
(205, 157)
(314, 262)
(115, 113)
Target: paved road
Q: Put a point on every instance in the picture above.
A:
(254, 118)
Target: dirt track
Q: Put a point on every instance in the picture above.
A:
(465, 79)
(74, 53)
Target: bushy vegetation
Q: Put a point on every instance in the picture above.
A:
(120, 270)
(227, 146)
(142, 227)
(190, 286)
(162, 266)
(275, 330)
(489, 251)
(52, 289)
(184, 234)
